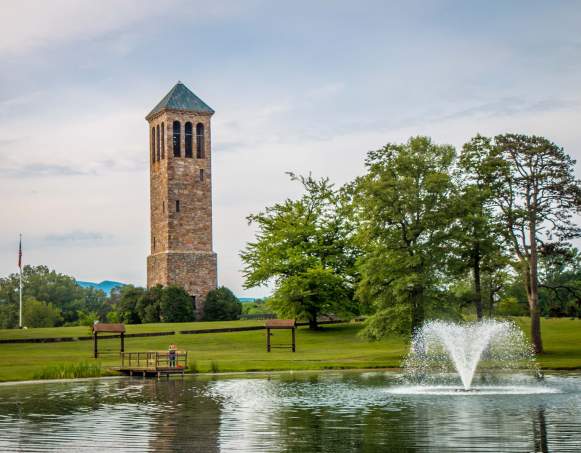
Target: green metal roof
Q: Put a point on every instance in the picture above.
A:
(181, 98)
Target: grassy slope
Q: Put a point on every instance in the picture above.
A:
(561, 341)
(336, 346)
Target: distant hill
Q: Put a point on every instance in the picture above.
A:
(106, 285)
(246, 299)
(250, 299)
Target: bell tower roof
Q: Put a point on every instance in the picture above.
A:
(181, 98)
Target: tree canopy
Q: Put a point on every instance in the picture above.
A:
(304, 248)
(47, 286)
(534, 195)
(404, 205)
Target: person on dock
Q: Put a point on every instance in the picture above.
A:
(172, 353)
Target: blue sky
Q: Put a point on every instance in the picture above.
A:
(297, 86)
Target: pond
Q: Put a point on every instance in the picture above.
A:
(306, 412)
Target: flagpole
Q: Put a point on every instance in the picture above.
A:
(20, 286)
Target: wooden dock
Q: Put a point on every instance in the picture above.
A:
(153, 364)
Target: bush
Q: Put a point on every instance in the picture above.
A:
(40, 314)
(510, 306)
(87, 318)
(222, 305)
(114, 317)
(176, 305)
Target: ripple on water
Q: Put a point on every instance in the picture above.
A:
(315, 412)
(474, 391)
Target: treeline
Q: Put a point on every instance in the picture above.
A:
(134, 305)
(52, 299)
(428, 232)
(49, 299)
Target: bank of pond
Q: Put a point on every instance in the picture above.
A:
(333, 347)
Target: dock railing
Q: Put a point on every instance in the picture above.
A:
(154, 360)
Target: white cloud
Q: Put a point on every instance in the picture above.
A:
(73, 140)
(32, 24)
(29, 25)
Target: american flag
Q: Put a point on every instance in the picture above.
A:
(20, 254)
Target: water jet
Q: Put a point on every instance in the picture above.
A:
(442, 352)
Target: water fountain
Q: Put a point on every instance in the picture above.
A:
(442, 352)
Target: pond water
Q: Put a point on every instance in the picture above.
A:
(306, 412)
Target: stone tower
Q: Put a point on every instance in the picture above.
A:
(181, 195)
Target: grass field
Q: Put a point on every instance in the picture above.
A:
(83, 331)
(336, 346)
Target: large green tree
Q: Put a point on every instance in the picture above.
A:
(535, 195)
(40, 314)
(129, 299)
(479, 248)
(304, 248)
(405, 207)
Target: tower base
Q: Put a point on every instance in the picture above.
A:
(196, 272)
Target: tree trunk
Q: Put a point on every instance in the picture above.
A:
(477, 283)
(533, 292)
(418, 313)
(313, 325)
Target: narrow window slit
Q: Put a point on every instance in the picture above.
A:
(176, 138)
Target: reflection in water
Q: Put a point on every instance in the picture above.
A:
(540, 430)
(302, 412)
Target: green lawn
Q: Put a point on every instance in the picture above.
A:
(336, 346)
(561, 341)
(83, 331)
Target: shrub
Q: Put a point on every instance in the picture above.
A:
(510, 306)
(214, 368)
(114, 317)
(176, 305)
(222, 305)
(87, 318)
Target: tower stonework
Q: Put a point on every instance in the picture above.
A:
(181, 195)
